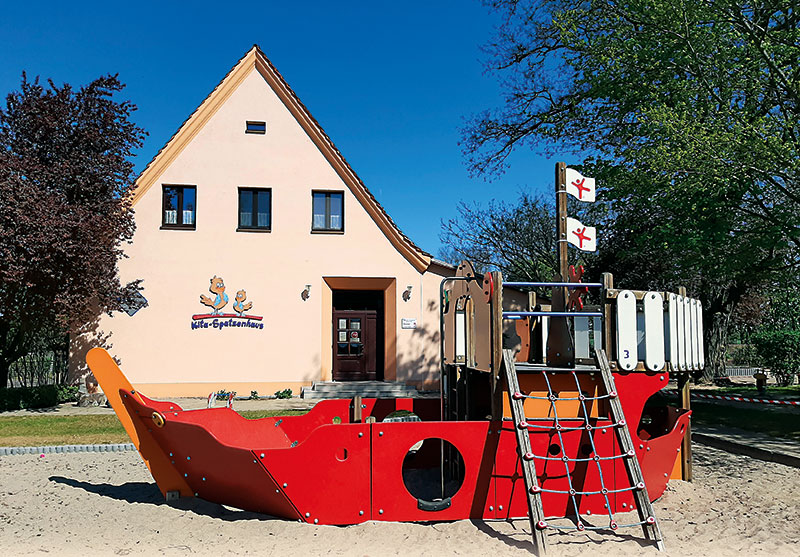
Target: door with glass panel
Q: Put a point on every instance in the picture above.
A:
(354, 346)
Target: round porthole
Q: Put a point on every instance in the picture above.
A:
(433, 471)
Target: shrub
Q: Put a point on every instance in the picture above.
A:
(222, 393)
(780, 352)
(254, 395)
(19, 398)
(285, 393)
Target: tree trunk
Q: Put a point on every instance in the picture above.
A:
(717, 345)
(4, 369)
(717, 310)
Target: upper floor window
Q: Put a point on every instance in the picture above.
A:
(255, 209)
(178, 207)
(252, 126)
(328, 211)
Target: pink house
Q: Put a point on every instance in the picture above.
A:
(266, 263)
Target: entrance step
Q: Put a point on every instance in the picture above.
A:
(365, 389)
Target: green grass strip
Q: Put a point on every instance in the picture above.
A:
(86, 429)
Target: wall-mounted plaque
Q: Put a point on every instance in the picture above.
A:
(406, 323)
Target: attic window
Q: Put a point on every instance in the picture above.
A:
(256, 127)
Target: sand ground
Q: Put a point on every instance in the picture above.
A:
(107, 504)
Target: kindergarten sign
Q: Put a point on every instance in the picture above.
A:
(218, 320)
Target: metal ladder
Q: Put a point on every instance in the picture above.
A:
(533, 490)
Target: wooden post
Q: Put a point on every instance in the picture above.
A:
(496, 300)
(685, 389)
(560, 351)
(561, 219)
(608, 317)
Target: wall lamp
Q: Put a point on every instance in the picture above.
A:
(306, 294)
(407, 293)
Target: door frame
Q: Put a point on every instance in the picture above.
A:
(389, 288)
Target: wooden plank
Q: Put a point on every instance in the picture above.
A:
(681, 336)
(687, 331)
(671, 321)
(627, 352)
(654, 331)
(701, 347)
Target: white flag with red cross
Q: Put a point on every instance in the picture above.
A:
(581, 236)
(579, 186)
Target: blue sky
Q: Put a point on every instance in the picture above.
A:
(391, 82)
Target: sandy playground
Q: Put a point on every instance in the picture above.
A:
(107, 504)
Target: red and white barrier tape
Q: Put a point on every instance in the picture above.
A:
(743, 399)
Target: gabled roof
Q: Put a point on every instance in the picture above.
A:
(255, 58)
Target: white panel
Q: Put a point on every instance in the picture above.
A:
(687, 332)
(697, 336)
(654, 331)
(701, 349)
(681, 336)
(671, 328)
(626, 330)
(545, 329)
(597, 330)
(581, 337)
(461, 336)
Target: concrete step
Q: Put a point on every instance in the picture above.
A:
(366, 389)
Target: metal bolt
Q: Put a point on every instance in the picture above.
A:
(499, 507)
(170, 454)
(665, 474)
(204, 479)
(380, 511)
(308, 514)
(641, 446)
(360, 513)
(188, 458)
(173, 462)
(316, 520)
(380, 434)
(624, 505)
(491, 508)
(661, 378)
(589, 513)
(361, 435)
(648, 448)
(255, 461)
(186, 475)
(277, 491)
(285, 485)
(262, 455)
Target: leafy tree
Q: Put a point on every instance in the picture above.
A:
(65, 184)
(517, 238)
(690, 110)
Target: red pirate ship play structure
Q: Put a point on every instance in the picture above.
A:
(560, 433)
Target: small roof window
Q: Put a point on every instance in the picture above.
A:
(254, 126)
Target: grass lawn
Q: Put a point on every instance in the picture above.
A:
(769, 421)
(28, 431)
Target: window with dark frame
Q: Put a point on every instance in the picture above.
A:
(255, 127)
(327, 211)
(179, 204)
(255, 209)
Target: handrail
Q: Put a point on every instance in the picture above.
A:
(521, 314)
(556, 284)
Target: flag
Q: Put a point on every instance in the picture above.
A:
(580, 187)
(580, 236)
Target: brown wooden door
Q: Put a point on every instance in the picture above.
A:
(354, 345)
